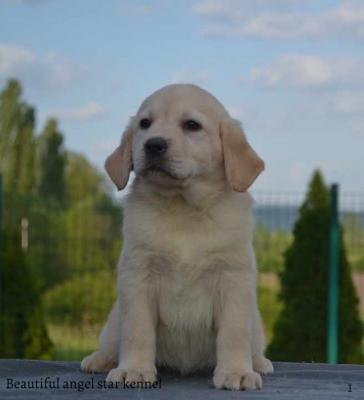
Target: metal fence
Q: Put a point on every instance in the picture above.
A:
(74, 257)
(276, 214)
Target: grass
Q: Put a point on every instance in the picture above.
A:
(269, 304)
(73, 343)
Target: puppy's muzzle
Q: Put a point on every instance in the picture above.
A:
(155, 147)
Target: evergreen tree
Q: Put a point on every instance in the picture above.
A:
(301, 328)
(23, 332)
(52, 162)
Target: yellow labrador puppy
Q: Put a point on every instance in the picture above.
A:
(187, 273)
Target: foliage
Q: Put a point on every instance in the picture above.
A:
(52, 161)
(73, 227)
(269, 304)
(23, 332)
(300, 330)
(73, 342)
(269, 247)
(354, 240)
(92, 220)
(9, 117)
(17, 120)
(83, 300)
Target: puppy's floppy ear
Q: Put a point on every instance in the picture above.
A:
(242, 163)
(119, 163)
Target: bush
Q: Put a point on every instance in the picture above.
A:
(83, 300)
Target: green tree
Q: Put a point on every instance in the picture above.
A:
(52, 162)
(17, 121)
(300, 330)
(92, 219)
(9, 116)
(74, 230)
(23, 332)
(83, 180)
(19, 175)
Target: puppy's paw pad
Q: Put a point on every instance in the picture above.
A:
(237, 380)
(132, 375)
(96, 362)
(263, 365)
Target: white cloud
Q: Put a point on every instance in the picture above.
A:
(283, 19)
(40, 71)
(87, 112)
(281, 26)
(188, 75)
(296, 70)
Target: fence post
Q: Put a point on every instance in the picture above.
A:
(333, 288)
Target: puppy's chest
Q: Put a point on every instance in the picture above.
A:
(185, 270)
(191, 242)
(185, 297)
(187, 257)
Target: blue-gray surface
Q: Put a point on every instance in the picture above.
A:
(290, 381)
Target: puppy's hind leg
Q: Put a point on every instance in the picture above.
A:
(106, 357)
(261, 364)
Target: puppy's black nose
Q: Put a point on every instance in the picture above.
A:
(156, 146)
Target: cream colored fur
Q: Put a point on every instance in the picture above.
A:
(187, 273)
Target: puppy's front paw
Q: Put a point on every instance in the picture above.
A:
(97, 362)
(237, 380)
(262, 365)
(132, 375)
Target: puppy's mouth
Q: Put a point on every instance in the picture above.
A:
(160, 169)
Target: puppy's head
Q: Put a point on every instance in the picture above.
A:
(180, 133)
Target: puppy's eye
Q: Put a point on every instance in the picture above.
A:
(145, 123)
(191, 125)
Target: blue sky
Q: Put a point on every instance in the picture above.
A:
(292, 71)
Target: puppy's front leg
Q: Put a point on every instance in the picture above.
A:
(234, 318)
(138, 328)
